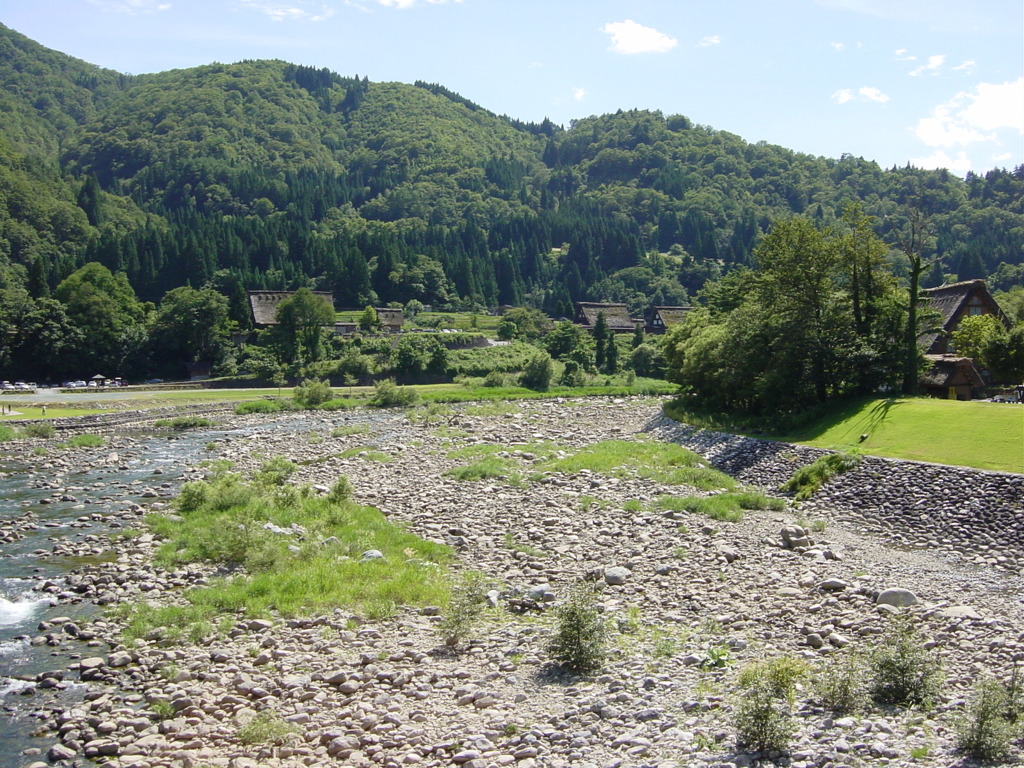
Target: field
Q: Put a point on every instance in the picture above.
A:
(968, 434)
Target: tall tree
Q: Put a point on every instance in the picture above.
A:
(302, 318)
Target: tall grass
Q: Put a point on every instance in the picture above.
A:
(727, 507)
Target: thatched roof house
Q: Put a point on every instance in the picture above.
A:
(615, 315)
(263, 305)
(660, 319)
(391, 319)
(954, 302)
(952, 378)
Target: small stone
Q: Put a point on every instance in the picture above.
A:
(897, 596)
(617, 575)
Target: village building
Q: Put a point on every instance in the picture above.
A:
(391, 319)
(264, 304)
(660, 319)
(949, 375)
(616, 316)
(954, 302)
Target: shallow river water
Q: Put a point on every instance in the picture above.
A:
(157, 462)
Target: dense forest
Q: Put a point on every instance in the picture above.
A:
(269, 175)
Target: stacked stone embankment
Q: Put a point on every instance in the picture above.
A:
(974, 514)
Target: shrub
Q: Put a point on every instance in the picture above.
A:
(181, 423)
(341, 490)
(779, 674)
(901, 670)
(806, 481)
(762, 721)
(496, 379)
(38, 430)
(7, 434)
(762, 716)
(387, 394)
(538, 372)
(258, 406)
(841, 685)
(266, 728)
(984, 731)
(579, 640)
(313, 392)
(276, 471)
(467, 604)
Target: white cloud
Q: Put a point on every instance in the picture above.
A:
(961, 164)
(838, 47)
(411, 3)
(578, 94)
(629, 37)
(710, 40)
(903, 55)
(864, 93)
(974, 116)
(872, 94)
(968, 67)
(283, 11)
(934, 62)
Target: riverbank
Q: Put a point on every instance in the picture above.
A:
(698, 600)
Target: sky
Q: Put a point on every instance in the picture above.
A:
(933, 83)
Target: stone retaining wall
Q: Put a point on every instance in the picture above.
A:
(976, 514)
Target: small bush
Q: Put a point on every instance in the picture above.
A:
(387, 394)
(497, 379)
(341, 490)
(984, 731)
(806, 481)
(901, 670)
(182, 423)
(7, 434)
(338, 404)
(538, 372)
(313, 392)
(579, 640)
(762, 721)
(266, 728)
(276, 471)
(258, 406)
(467, 604)
(841, 685)
(780, 674)
(38, 430)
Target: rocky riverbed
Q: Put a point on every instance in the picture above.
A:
(689, 601)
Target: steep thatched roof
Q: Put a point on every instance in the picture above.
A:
(615, 315)
(662, 318)
(950, 371)
(953, 302)
(264, 305)
(390, 317)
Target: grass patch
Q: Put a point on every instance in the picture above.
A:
(7, 434)
(727, 507)
(85, 441)
(181, 423)
(661, 462)
(365, 452)
(487, 468)
(292, 554)
(967, 434)
(350, 429)
(806, 481)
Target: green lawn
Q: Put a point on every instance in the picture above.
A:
(968, 434)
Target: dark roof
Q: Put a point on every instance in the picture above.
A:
(672, 315)
(950, 301)
(615, 315)
(264, 304)
(950, 371)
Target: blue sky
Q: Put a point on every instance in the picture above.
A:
(937, 83)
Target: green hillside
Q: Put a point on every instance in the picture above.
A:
(265, 174)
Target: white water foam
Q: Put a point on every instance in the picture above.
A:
(9, 685)
(17, 611)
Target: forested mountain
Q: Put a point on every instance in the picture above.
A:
(264, 174)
